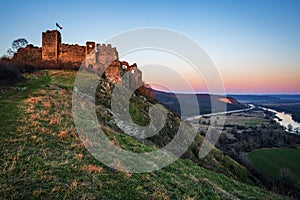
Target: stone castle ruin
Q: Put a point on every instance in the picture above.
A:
(95, 57)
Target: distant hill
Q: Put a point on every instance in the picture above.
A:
(189, 102)
(271, 98)
(287, 96)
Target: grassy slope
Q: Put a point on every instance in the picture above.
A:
(271, 161)
(41, 155)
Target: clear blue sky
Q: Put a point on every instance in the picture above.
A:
(244, 38)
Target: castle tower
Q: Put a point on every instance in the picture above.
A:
(90, 54)
(50, 45)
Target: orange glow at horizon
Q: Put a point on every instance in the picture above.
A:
(279, 83)
(163, 70)
(262, 83)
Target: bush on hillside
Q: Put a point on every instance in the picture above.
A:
(9, 74)
(26, 68)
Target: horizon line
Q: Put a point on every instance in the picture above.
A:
(226, 93)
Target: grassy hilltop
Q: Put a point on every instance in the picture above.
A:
(42, 156)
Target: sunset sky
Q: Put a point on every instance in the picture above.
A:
(254, 44)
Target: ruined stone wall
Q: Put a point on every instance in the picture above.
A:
(113, 73)
(50, 45)
(133, 74)
(135, 77)
(106, 54)
(71, 53)
(30, 55)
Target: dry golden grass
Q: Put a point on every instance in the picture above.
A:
(118, 165)
(121, 169)
(55, 189)
(62, 134)
(37, 192)
(74, 184)
(128, 175)
(51, 107)
(73, 132)
(159, 193)
(92, 168)
(53, 121)
(30, 109)
(47, 104)
(35, 116)
(63, 92)
(34, 100)
(79, 156)
(45, 113)
(35, 123)
(115, 141)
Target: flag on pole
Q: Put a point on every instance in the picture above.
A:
(57, 25)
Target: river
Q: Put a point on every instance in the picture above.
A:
(285, 120)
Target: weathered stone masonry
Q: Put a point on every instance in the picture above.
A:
(29, 55)
(51, 41)
(71, 53)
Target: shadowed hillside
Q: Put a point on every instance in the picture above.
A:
(170, 101)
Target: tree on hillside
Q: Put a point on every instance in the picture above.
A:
(4, 59)
(15, 45)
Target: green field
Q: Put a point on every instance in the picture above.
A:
(272, 161)
(249, 119)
